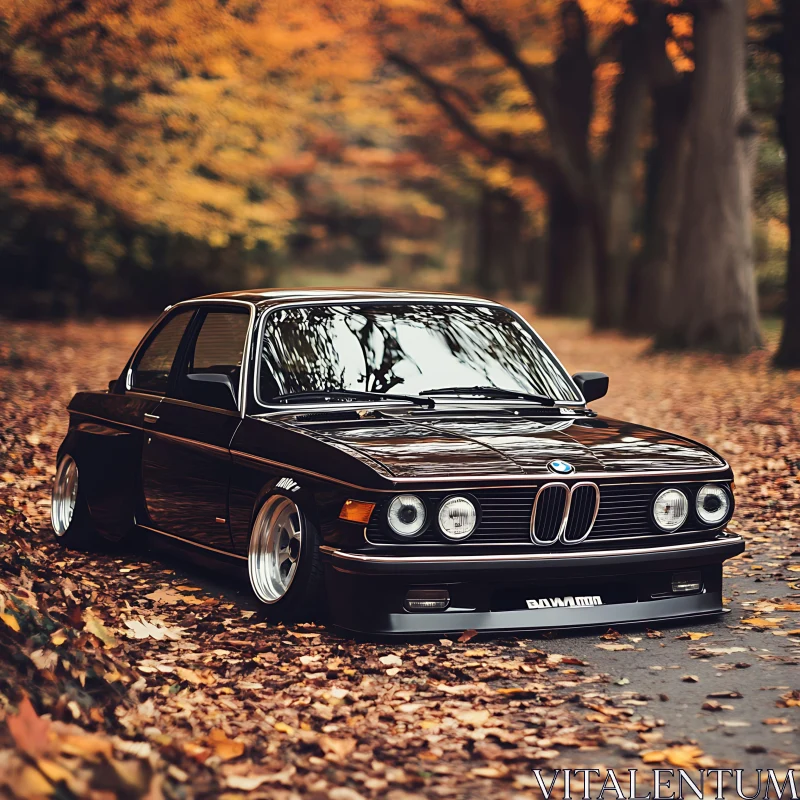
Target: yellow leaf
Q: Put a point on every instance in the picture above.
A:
(95, 626)
(761, 623)
(11, 621)
(695, 636)
(283, 727)
(58, 637)
(223, 747)
(683, 756)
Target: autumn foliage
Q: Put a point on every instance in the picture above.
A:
(155, 149)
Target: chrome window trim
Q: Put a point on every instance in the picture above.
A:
(395, 301)
(246, 355)
(488, 559)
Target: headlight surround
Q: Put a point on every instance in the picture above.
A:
(713, 504)
(670, 509)
(406, 515)
(458, 517)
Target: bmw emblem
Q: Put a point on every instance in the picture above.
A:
(560, 467)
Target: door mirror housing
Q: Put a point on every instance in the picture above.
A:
(210, 389)
(592, 385)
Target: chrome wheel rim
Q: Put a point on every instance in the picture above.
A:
(274, 549)
(65, 494)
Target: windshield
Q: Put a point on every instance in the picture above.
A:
(405, 349)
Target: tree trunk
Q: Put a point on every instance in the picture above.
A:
(788, 354)
(485, 279)
(500, 246)
(637, 43)
(713, 300)
(569, 283)
(653, 270)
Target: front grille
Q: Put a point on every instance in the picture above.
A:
(549, 514)
(583, 505)
(623, 513)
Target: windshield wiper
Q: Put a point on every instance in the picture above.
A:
(353, 394)
(493, 392)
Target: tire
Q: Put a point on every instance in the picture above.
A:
(283, 561)
(69, 512)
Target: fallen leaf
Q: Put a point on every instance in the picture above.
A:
(684, 756)
(144, 629)
(391, 660)
(615, 646)
(30, 732)
(340, 748)
(467, 636)
(94, 625)
(223, 747)
(476, 718)
(11, 621)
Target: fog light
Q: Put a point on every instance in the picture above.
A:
(427, 600)
(685, 582)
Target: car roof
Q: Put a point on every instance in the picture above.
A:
(269, 297)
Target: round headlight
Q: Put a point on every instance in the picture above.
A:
(713, 504)
(670, 509)
(406, 515)
(457, 517)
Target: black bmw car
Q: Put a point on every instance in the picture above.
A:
(400, 462)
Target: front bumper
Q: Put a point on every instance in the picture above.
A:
(366, 592)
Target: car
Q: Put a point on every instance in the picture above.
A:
(395, 463)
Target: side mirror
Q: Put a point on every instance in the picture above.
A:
(592, 385)
(112, 386)
(210, 389)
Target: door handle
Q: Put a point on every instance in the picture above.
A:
(151, 418)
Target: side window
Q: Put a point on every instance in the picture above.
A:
(152, 368)
(214, 363)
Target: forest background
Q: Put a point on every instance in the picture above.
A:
(635, 162)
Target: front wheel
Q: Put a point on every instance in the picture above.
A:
(283, 561)
(69, 513)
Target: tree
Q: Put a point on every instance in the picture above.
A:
(555, 76)
(711, 303)
(788, 354)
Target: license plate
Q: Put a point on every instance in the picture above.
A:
(583, 601)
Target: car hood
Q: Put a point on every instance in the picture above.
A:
(510, 446)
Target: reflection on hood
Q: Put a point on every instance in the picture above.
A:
(442, 447)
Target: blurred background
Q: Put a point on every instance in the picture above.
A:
(632, 162)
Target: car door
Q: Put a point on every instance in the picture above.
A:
(186, 460)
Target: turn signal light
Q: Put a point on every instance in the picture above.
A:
(356, 511)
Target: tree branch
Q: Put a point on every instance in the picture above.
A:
(535, 79)
(538, 165)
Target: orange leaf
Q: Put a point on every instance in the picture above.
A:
(30, 732)
(224, 747)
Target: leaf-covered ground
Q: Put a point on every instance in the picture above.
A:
(124, 674)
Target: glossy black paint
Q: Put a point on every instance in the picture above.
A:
(199, 474)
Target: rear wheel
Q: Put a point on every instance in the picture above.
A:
(69, 513)
(283, 561)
